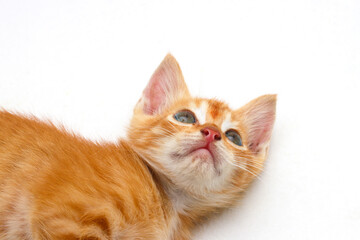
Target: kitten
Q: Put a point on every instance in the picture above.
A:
(183, 159)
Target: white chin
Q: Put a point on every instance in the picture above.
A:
(202, 155)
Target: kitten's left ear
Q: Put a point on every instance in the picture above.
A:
(166, 86)
(258, 117)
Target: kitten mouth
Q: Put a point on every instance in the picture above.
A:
(203, 150)
(204, 153)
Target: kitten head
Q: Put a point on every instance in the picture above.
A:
(200, 145)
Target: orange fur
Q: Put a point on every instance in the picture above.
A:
(55, 185)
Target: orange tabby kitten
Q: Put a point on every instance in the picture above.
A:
(183, 159)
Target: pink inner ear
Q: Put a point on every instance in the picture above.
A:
(260, 131)
(154, 93)
(259, 117)
(165, 85)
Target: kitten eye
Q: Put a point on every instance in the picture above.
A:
(234, 136)
(185, 116)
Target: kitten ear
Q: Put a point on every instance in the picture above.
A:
(258, 116)
(166, 85)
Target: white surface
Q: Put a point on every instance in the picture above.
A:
(85, 63)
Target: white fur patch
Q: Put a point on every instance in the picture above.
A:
(227, 124)
(201, 112)
(18, 222)
(173, 224)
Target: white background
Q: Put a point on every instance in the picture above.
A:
(85, 63)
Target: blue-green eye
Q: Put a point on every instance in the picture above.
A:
(185, 116)
(234, 136)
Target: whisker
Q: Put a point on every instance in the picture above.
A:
(244, 168)
(252, 163)
(255, 165)
(166, 131)
(173, 126)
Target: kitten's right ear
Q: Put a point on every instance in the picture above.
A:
(166, 85)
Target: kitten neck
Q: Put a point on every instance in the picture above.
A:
(183, 208)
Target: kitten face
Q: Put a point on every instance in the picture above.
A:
(200, 145)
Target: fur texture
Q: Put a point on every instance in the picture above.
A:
(158, 183)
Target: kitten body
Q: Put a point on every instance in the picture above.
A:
(58, 186)
(183, 159)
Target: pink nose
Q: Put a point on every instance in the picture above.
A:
(211, 134)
